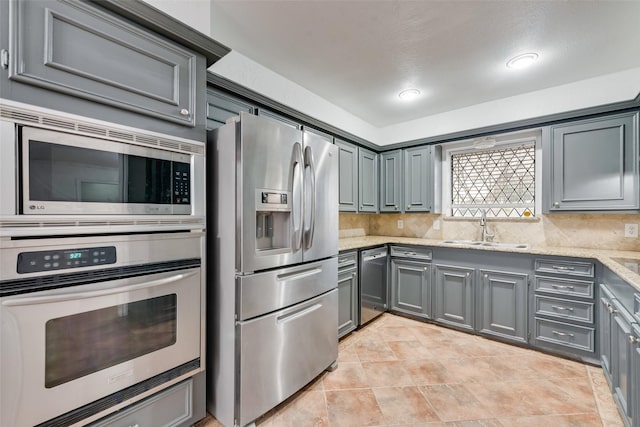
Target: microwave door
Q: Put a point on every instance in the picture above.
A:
(270, 194)
(321, 198)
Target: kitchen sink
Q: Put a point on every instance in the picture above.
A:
(488, 244)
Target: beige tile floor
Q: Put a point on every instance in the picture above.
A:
(402, 372)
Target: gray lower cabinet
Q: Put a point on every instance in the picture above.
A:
(605, 330)
(453, 296)
(347, 176)
(609, 146)
(621, 357)
(411, 287)
(80, 50)
(169, 408)
(391, 181)
(418, 183)
(347, 292)
(563, 300)
(503, 304)
(635, 374)
(367, 180)
(221, 107)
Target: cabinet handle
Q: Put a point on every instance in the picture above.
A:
(557, 307)
(611, 309)
(633, 340)
(134, 425)
(562, 287)
(562, 334)
(184, 112)
(396, 207)
(562, 268)
(408, 207)
(426, 268)
(486, 276)
(556, 205)
(468, 274)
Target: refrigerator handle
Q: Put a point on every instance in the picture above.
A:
(310, 228)
(297, 195)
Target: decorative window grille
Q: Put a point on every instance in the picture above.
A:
(500, 180)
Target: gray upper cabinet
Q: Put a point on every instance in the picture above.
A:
(592, 164)
(391, 181)
(367, 180)
(503, 304)
(417, 179)
(81, 50)
(453, 300)
(348, 176)
(221, 107)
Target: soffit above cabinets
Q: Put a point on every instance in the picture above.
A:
(359, 54)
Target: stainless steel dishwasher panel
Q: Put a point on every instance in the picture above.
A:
(282, 351)
(373, 283)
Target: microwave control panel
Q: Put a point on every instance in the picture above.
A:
(56, 259)
(181, 183)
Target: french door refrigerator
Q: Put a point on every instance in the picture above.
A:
(272, 289)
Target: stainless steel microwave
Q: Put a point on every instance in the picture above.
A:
(72, 174)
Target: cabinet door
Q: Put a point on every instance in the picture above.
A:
(391, 181)
(347, 302)
(79, 50)
(411, 287)
(367, 180)
(417, 181)
(454, 295)
(221, 107)
(503, 304)
(348, 176)
(604, 329)
(594, 164)
(621, 355)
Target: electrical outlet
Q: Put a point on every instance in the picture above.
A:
(401, 224)
(436, 224)
(631, 230)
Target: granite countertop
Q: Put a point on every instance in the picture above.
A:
(606, 257)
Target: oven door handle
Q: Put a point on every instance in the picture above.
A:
(130, 285)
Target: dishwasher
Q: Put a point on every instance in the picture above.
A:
(373, 283)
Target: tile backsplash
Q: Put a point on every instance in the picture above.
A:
(601, 231)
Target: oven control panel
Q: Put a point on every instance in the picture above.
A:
(57, 259)
(181, 183)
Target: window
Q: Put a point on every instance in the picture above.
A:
(500, 180)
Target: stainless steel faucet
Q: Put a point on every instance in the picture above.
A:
(486, 234)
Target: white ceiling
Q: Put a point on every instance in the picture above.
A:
(359, 54)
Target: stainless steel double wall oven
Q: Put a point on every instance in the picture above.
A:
(102, 285)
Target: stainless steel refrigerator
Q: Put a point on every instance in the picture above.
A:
(272, 285)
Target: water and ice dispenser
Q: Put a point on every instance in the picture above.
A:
(273, 216)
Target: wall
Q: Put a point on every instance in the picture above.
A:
(601, 231)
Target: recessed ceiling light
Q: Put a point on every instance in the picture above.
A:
(522, 61)
(409, 94)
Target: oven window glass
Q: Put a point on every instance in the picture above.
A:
(84, 343)
(64, 173)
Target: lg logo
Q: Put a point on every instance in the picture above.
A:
(36, 207)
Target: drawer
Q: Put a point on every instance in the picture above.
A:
(555, 285)
(167, 408)
(564, 334)
(570, 268)
(411, 252)
(564, 309)
(347, 261)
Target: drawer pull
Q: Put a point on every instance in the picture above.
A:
(410, 253)
(562, 334)
(562, 268)
(562, 287)
(557, 307)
